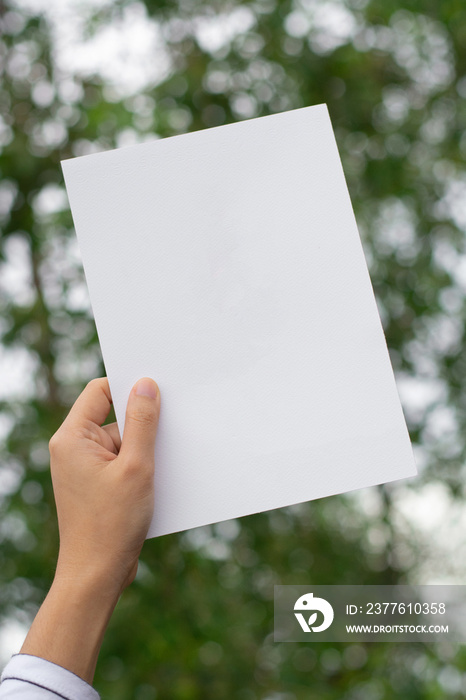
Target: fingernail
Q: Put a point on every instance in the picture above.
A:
(146, 387)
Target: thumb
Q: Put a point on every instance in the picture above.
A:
(142, 417)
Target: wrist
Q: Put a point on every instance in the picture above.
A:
(101, 580)
(91, 588)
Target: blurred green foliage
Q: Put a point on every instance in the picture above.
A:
(197, 622)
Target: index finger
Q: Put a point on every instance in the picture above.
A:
(93, 404)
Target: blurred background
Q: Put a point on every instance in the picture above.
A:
(85, 76)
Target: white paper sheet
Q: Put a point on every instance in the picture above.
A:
(227, 265)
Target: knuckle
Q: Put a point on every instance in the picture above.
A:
(54, 443)
(135, 471)
(62, 441)
(57, 446)
(131, 467)
(132, 472)
(94, 382)
(143, 417)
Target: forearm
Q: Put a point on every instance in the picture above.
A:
(70, 625)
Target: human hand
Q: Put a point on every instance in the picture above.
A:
(104, 494)
(103, 486)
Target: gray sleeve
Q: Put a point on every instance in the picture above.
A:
(28, 677)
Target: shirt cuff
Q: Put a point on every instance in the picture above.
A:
(48, 676)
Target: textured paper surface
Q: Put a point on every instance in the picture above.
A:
(227, 265)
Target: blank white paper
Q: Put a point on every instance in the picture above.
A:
(227, 265)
